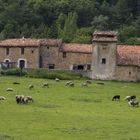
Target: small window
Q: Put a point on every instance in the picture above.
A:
(32, 51)
(129, 72)
(103, 61)
(80, 67)
(88, 67)
(22, 64)
(51, 66)
(64, 55)
(7, 63)
(48, 47)
(7, 51)
(22, 50)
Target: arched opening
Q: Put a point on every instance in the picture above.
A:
(22, 64)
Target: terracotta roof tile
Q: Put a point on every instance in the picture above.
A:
(51, 42)
(77, 48)
(20, 42)
(128, 55)
(27, 42)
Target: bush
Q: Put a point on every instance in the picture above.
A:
(52, 74)
(13, 72)
(133, 41)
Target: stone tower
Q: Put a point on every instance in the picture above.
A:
(104, 55)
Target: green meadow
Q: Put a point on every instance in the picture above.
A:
(68, 113)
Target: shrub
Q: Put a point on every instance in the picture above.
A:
(14, 72)
(52, 74)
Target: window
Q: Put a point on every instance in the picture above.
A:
(22, 64)
(7, 63)
(48, 47)
(7, 51)
(51, 66)
(22, 50)
(88, 66)
(64, 54)
(103, 61)
(78, 67)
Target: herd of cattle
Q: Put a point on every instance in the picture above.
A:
(21, 99)
(131, 100)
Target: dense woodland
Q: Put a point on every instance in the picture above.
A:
(72, 20)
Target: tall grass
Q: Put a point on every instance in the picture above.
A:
(52, 74)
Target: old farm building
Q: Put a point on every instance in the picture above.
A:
(103, 59)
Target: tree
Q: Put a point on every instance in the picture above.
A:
(84, 35)
(11, 30)
(67, 32)
(123, 14)
(100, 22)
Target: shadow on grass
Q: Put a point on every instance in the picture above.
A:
(86, 100)
(73, 130)
(47, 105)
(6, 137)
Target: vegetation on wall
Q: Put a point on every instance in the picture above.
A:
(71, 20)
(42, 73)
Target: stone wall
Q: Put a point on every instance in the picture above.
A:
(31, 55)
(62, 60)
(127, 73)
(104, 61)
(49, 55)
(70, 59)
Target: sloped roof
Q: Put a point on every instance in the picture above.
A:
(20, 42)
(27, 42)
(128, 55)
(104, 36)
(77, 48)
(51, 42)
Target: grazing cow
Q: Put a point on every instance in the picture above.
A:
(116, 98)
(30, 99)
(21, 99)
(84, 84)
(16, 83)
(57, 80)
(31, 86)
(2, 98)
(100, 83)
(71, 84)
(88, 82)
(67, 83)
(133, 103)
(46, 85)
(9, 89)
(128, 98)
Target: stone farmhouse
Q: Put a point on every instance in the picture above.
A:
(44, 53)
(103, 59)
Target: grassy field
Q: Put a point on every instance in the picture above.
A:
(68, 113)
